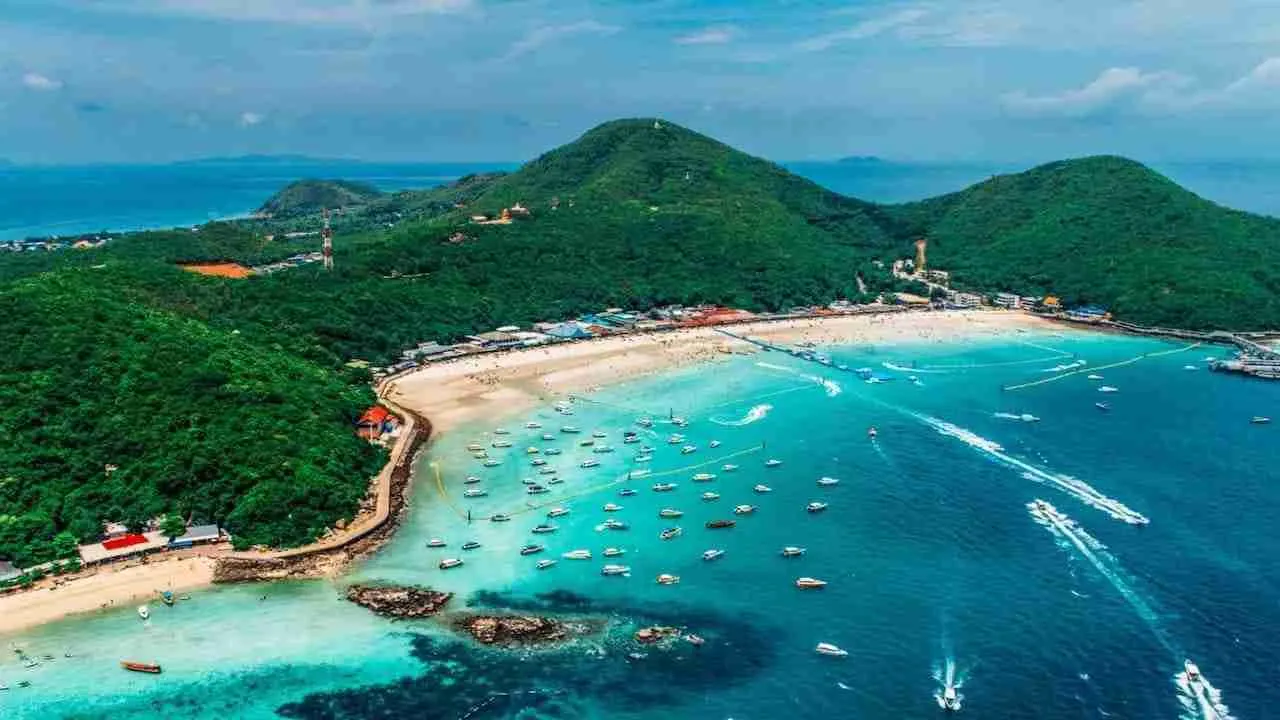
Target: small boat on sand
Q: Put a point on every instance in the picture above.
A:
(720, 524)
(447, 563)
(166, 597)
(670, 532)
(142, 667)
(668, 579)
(791, 551)
(808, 583)
(830, 650)
(816, 507)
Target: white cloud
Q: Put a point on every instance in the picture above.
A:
(36, 81)
(303, 12)
(541, 36)
(249, 119)
(715, 35)
(1265, 78)
(866, 29)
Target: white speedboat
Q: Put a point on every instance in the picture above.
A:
(500, 517)
(728, 467)
(556, 512)
(144, 612)
(712, 554)
(546, 471)
(528, 481)
(678, 421)
(612, 507)
(704, 477)
(675, 439)
(612, 524)
(492, 463)
(602, 449)
(538, 462)
(555, 481)
(643, 458)
(664, 487)
(871, 431)
(830, 650)
(1102, 406)
(1095, 376)
(949, 700)
(475, 447)
(532, 549)
(709, 496)
(808, 583)
(630, 439)
(544, 529)
(471, 545)
(548, 436)
(598, 434)
(502, 443)
(569, 429)
(744, 509)
(577, 555)
(471, 480)
(644, 422)
(772, 463)
(545, 563)
(687, 449)
(474, 492)
(626, 492)
(668, 579)
(552, 451)
(827, 481)
(614, 552)
(670, 513)
(816, 507)
(1028, 417)
(714, 444)
(615, 570)
(501, 431)
(533, 424)
(1193, 672)
(792, 551)
(447, 563)
(1190, 367)
(670, 532)
(1108, 389)
(590, 463)
(762, 489)
(436, 542)
(587, 442)
(1260, 420)
(536, 490)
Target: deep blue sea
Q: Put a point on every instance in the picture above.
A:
(45, 201)
(935, 564)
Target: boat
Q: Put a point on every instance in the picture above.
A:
(471, 480)
(644, 422)
(612, 524)
(587, 442)
(761, 489)
(555, 481)
(1095, 376)
(601, 449)
(830, 650)
(645, 450)
(480, 455)
(144, 612)
(447, 563)
(570, 429)
(499, 517)
(728, 467)
(670, 532)
(744, 509)
(678, 421)
(492, 463)
(1108, 389)
(709, 496)
(816, 507)
(589, 463)
(577, 555)
(772, 463)
(166, 597)
(532, 549)
(142, 667)
(501, 431)
(687, 449)
(792, 551)
(1193, 672)
(714, 444)
(614, 552)
(552, 451)
(436, 542)
(598, 434)
(808, 583)
(872, 432)
(474, 492)
(675, 439)
(532, 450)
(712, 554)
(720, 524)
(545, 563)
(538, 462)
(1260, 420)
(548, 436)
(949, 700)
(615, 570)
(630, 439)
(543, 529)
(694, 639)
(546, 471)
(827, 481)
(535, 490)
(612, 507)
(643, 458)
(664, 487)
(668, 579)
(704, 477)
(502, 443)
(556, 512)
(475, 447)
(626, 492)
(1102, 406)
(533, 424)
(471, 545)
(670, 513)
(528, 481)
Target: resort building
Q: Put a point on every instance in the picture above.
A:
(123, 546)
(1089, 313)
(1007, 300)
(965, 300)
(375, 422)
(198, 535)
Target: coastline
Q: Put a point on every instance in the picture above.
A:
(438, 398)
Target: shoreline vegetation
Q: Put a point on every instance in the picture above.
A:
(436, 399)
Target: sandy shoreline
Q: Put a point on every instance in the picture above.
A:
(501, 384)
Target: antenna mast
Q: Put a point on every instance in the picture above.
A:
(327, 234)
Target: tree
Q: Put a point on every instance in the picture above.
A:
(65, 545)
(173, 525)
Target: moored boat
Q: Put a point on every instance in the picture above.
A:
(492, 463)
(577, 555)
(1260, 420)
(552, 451)
(543, 529)
(569, 429)
(475, 447)
(436, 542)
(687, 449)
(675, 439)
(538, 462)
(501, 431)
(548, 436)
(613, 552)
(590, 463)
(827, 481)
(728, 467)
(474, 492)
(744, 509)
(615, 570)
(714, 444)
(664, 487)
(532, 450)
(1108, 389)
(709, 496)
(598, 434)
(532, 549)
(830, 650)
(670, 532)
(612, 507)
(816, 507)
(626, 492)
(602, 449)
(792, 551)
(545, 563)
(556, 512)
(533, 424)
(712, 554)
(872, 432)
(499, 517)
(808, 583)
(535, 490)
(471, 480)
(762, 489)
(704, 477)
(612, 524)
(471, 545)
(668, 579)
(142, 667)
(144, 612)
(719, 524)
(670, 513)
(772, 463)
(447, 563)
(502, 443)
(1102, 406)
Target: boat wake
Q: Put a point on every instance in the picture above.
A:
(1200, 700)
(911, 370)
(1074, 536)
(1024, 417)
(1065, 367)
(759, 412)
(1078, 489)
(831, 386)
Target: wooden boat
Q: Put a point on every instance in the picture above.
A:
(166, 597)
(141, 667)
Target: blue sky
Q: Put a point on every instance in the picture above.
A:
(446, 80)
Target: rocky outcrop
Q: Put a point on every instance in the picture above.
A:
(518, 630)
(399, 602)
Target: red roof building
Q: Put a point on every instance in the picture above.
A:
(124, 541)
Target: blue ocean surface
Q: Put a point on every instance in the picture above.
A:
(935, 563)
(72, 200)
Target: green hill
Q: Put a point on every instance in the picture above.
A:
(304, 197)
(1108, 230)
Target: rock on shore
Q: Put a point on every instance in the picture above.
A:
(398, 602)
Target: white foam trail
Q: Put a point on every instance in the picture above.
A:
(909, 370)
(1096, 553)
(831, 386)
(1201, 700)
(759, 412)
(1078, 489)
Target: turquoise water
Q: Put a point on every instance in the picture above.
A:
(931, 555)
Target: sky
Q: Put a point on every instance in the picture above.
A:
(504, 80)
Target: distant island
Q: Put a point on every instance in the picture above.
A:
(226, 400)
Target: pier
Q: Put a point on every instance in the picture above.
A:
(1254, 359)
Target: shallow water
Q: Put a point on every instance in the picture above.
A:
(928, 547)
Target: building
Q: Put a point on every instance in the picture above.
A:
(495, 340)
(912, 300)
(965, 300)
(938, 276)
(124, 546)
(1089, 313)
(374, 422)
(1051, 302)
(1007, 300)
(198, 535)
(1030, 301)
